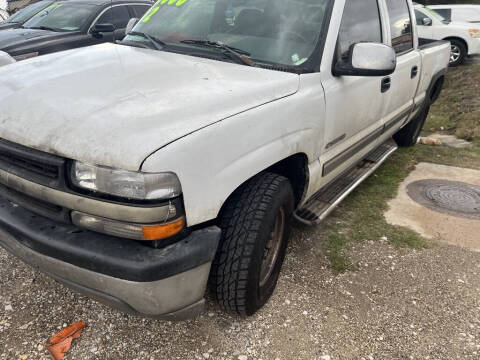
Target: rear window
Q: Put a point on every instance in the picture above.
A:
(400, 25)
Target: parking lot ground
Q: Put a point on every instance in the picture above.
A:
(355, 287)
(397, 304)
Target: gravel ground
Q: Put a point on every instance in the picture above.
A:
(473, 60)
(397, 304)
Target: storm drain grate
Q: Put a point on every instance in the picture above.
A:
(449, 197)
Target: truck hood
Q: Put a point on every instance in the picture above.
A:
(115, 105)
(14, 40)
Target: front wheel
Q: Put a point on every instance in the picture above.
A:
(458, 52)
(255, 229)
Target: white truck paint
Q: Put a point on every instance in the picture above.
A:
(5, 59)
(216, 124)
(439, 28)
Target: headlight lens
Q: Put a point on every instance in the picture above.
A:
(125, 184)
(25, 56)
(475, 33)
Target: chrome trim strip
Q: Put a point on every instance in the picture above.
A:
(339, 159)
(348, 191)
(91, 206)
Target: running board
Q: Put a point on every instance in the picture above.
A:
(321, 204)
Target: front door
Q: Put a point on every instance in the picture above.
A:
(354, 104)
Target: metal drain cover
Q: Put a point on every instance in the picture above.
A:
(449, 197)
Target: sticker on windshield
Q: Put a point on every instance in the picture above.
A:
(148, 15)
(48, 9)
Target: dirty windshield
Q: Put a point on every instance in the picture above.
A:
(272, 31)
(62, 17)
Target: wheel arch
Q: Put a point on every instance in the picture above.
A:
(458, 39)
(294, 168)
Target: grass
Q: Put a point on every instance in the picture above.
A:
(457, 111)
(360, 216)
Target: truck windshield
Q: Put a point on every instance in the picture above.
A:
(282, 32)
(62, 17)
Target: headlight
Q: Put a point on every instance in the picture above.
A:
(125, 184)
(475, 33)
(25, 56)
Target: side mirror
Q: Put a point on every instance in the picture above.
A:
(367, 59)
(427, 21)
(131, 24)
(99, 29)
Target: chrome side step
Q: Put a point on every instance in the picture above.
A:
(321, 204)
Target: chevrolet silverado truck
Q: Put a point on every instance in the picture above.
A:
(144, 172)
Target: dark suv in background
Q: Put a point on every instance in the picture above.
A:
(71, 24)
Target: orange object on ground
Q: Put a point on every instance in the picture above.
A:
(60, 343)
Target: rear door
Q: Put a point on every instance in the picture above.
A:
(354, 105)
(405, 79)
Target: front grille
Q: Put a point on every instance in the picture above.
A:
(37, 206)
(30, 164)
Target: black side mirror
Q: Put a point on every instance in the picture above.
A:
(99, 29)
(367, 59)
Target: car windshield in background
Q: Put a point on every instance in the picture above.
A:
(436, 15)
(272, 31)
(26, 13)
(62, 17)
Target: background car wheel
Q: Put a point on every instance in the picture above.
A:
(255, 227)
(458, 52)
(408, 135)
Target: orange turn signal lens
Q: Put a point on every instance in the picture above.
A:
(158, 232)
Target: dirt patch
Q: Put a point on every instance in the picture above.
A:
(409, 209)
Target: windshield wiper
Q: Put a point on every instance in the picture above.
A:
(238, 54)
(44, 28)
(157, 43)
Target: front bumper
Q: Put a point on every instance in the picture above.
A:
(167, 283)
(474, 46)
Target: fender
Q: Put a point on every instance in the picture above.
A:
(213, 162)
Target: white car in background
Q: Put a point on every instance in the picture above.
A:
(464, 37)
(462, 13)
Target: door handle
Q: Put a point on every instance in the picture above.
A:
(386, 84)
(414, 71)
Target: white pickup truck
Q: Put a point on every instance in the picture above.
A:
(138, 173)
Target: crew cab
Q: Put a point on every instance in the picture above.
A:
(71, 24)
(464, 37)
(139, 172)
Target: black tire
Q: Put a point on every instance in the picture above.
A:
(408, 135)
(247, 222)
(460, 52)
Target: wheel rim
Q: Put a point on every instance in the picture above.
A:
(272, 248)
(454, 53)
